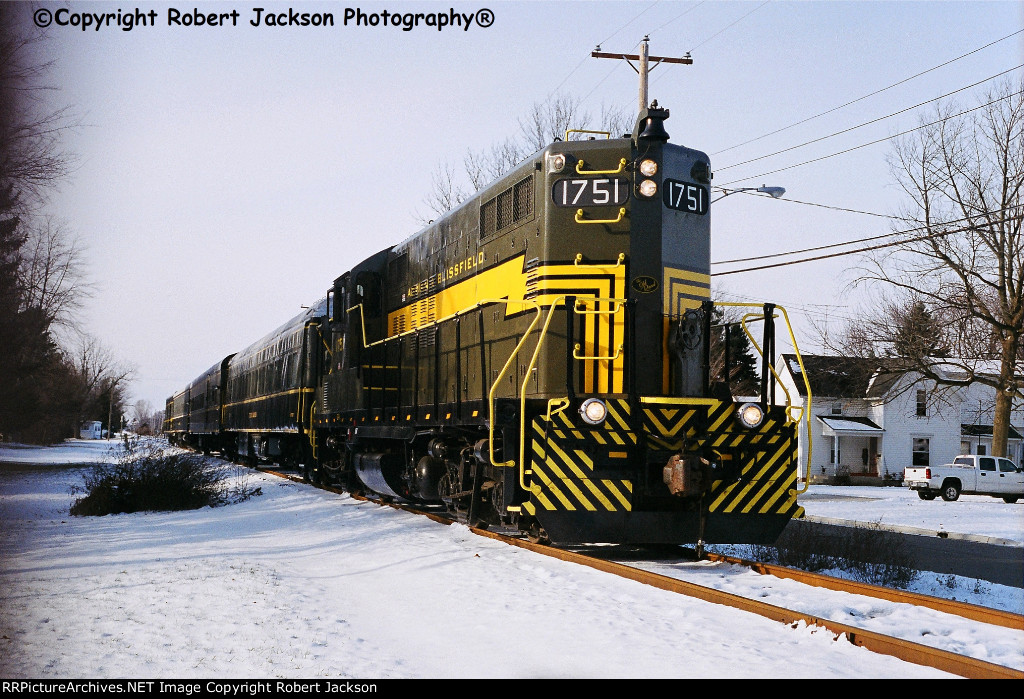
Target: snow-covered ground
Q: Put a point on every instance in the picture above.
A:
(300, 582)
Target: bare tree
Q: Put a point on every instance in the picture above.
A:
(31, 157)
(52, 272)
(143, 417)
(547, 121)
(962, 173)
(98, 377)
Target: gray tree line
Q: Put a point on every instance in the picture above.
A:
(53, 374)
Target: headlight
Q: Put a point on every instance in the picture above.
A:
(648, 168)
(751, 415)
(593, 411)
(648, 188)
(556, 162)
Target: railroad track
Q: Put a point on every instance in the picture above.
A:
(909, 651)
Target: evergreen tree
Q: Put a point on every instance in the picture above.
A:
(743, 362)
(918, 333)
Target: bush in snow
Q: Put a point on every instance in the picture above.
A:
(147, 476)
(868, 554)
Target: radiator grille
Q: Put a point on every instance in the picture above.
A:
(510, 207)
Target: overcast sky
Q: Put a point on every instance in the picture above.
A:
(227, 174)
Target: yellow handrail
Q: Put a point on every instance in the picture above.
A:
(806, 409)
(312, 432)
(607, 134)
(504, 371)
(580, 170)
(619, 303)
(362, 320)
(522, 394)
(576, 348)
(578, 261)
(750, 336)
(580, 219)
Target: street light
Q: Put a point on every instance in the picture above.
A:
(774, 192)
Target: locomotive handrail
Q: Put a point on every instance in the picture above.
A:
(619, 303)
(580, 219)
(806, 409)
(607, 134)
(501, 375)
(620, 168)
(578, 261)
(789, 398)
(560, 300)
(362, 321)
(576, 348)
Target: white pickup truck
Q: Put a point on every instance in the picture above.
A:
(971, 474)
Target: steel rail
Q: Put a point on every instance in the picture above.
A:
(974, 612)
(919, 654)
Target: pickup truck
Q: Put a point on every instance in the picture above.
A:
(971, 474)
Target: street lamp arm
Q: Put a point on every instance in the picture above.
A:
(773, 192)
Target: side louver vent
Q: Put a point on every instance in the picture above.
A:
(510, 207)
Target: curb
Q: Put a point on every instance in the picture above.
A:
(915, 531)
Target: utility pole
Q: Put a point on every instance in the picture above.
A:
(644, 60)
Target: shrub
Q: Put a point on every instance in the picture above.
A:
(149, 477)
(867, 554)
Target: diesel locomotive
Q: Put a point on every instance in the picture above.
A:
(539, 358)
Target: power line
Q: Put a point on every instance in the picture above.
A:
(681, 14)
(871, 94)
(720, 31)
(850, 252)
(729, 26)
(613, 34)
(811, 203)
(872, 121)
(880, 140)
(859, 240)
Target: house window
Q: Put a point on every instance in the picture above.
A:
(834, 455)
(981, 449)
(920, 453)
(837, 408)
(922, 403)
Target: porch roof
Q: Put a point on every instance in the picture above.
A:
(846, 425)
(985, 431)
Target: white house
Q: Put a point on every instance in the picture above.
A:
(976, 414)
(864, 422)
(92, 430)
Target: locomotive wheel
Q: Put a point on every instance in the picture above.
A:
(446, 489)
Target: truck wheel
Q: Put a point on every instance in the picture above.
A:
(1010, 499)
(950, 492)
(925, 495)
